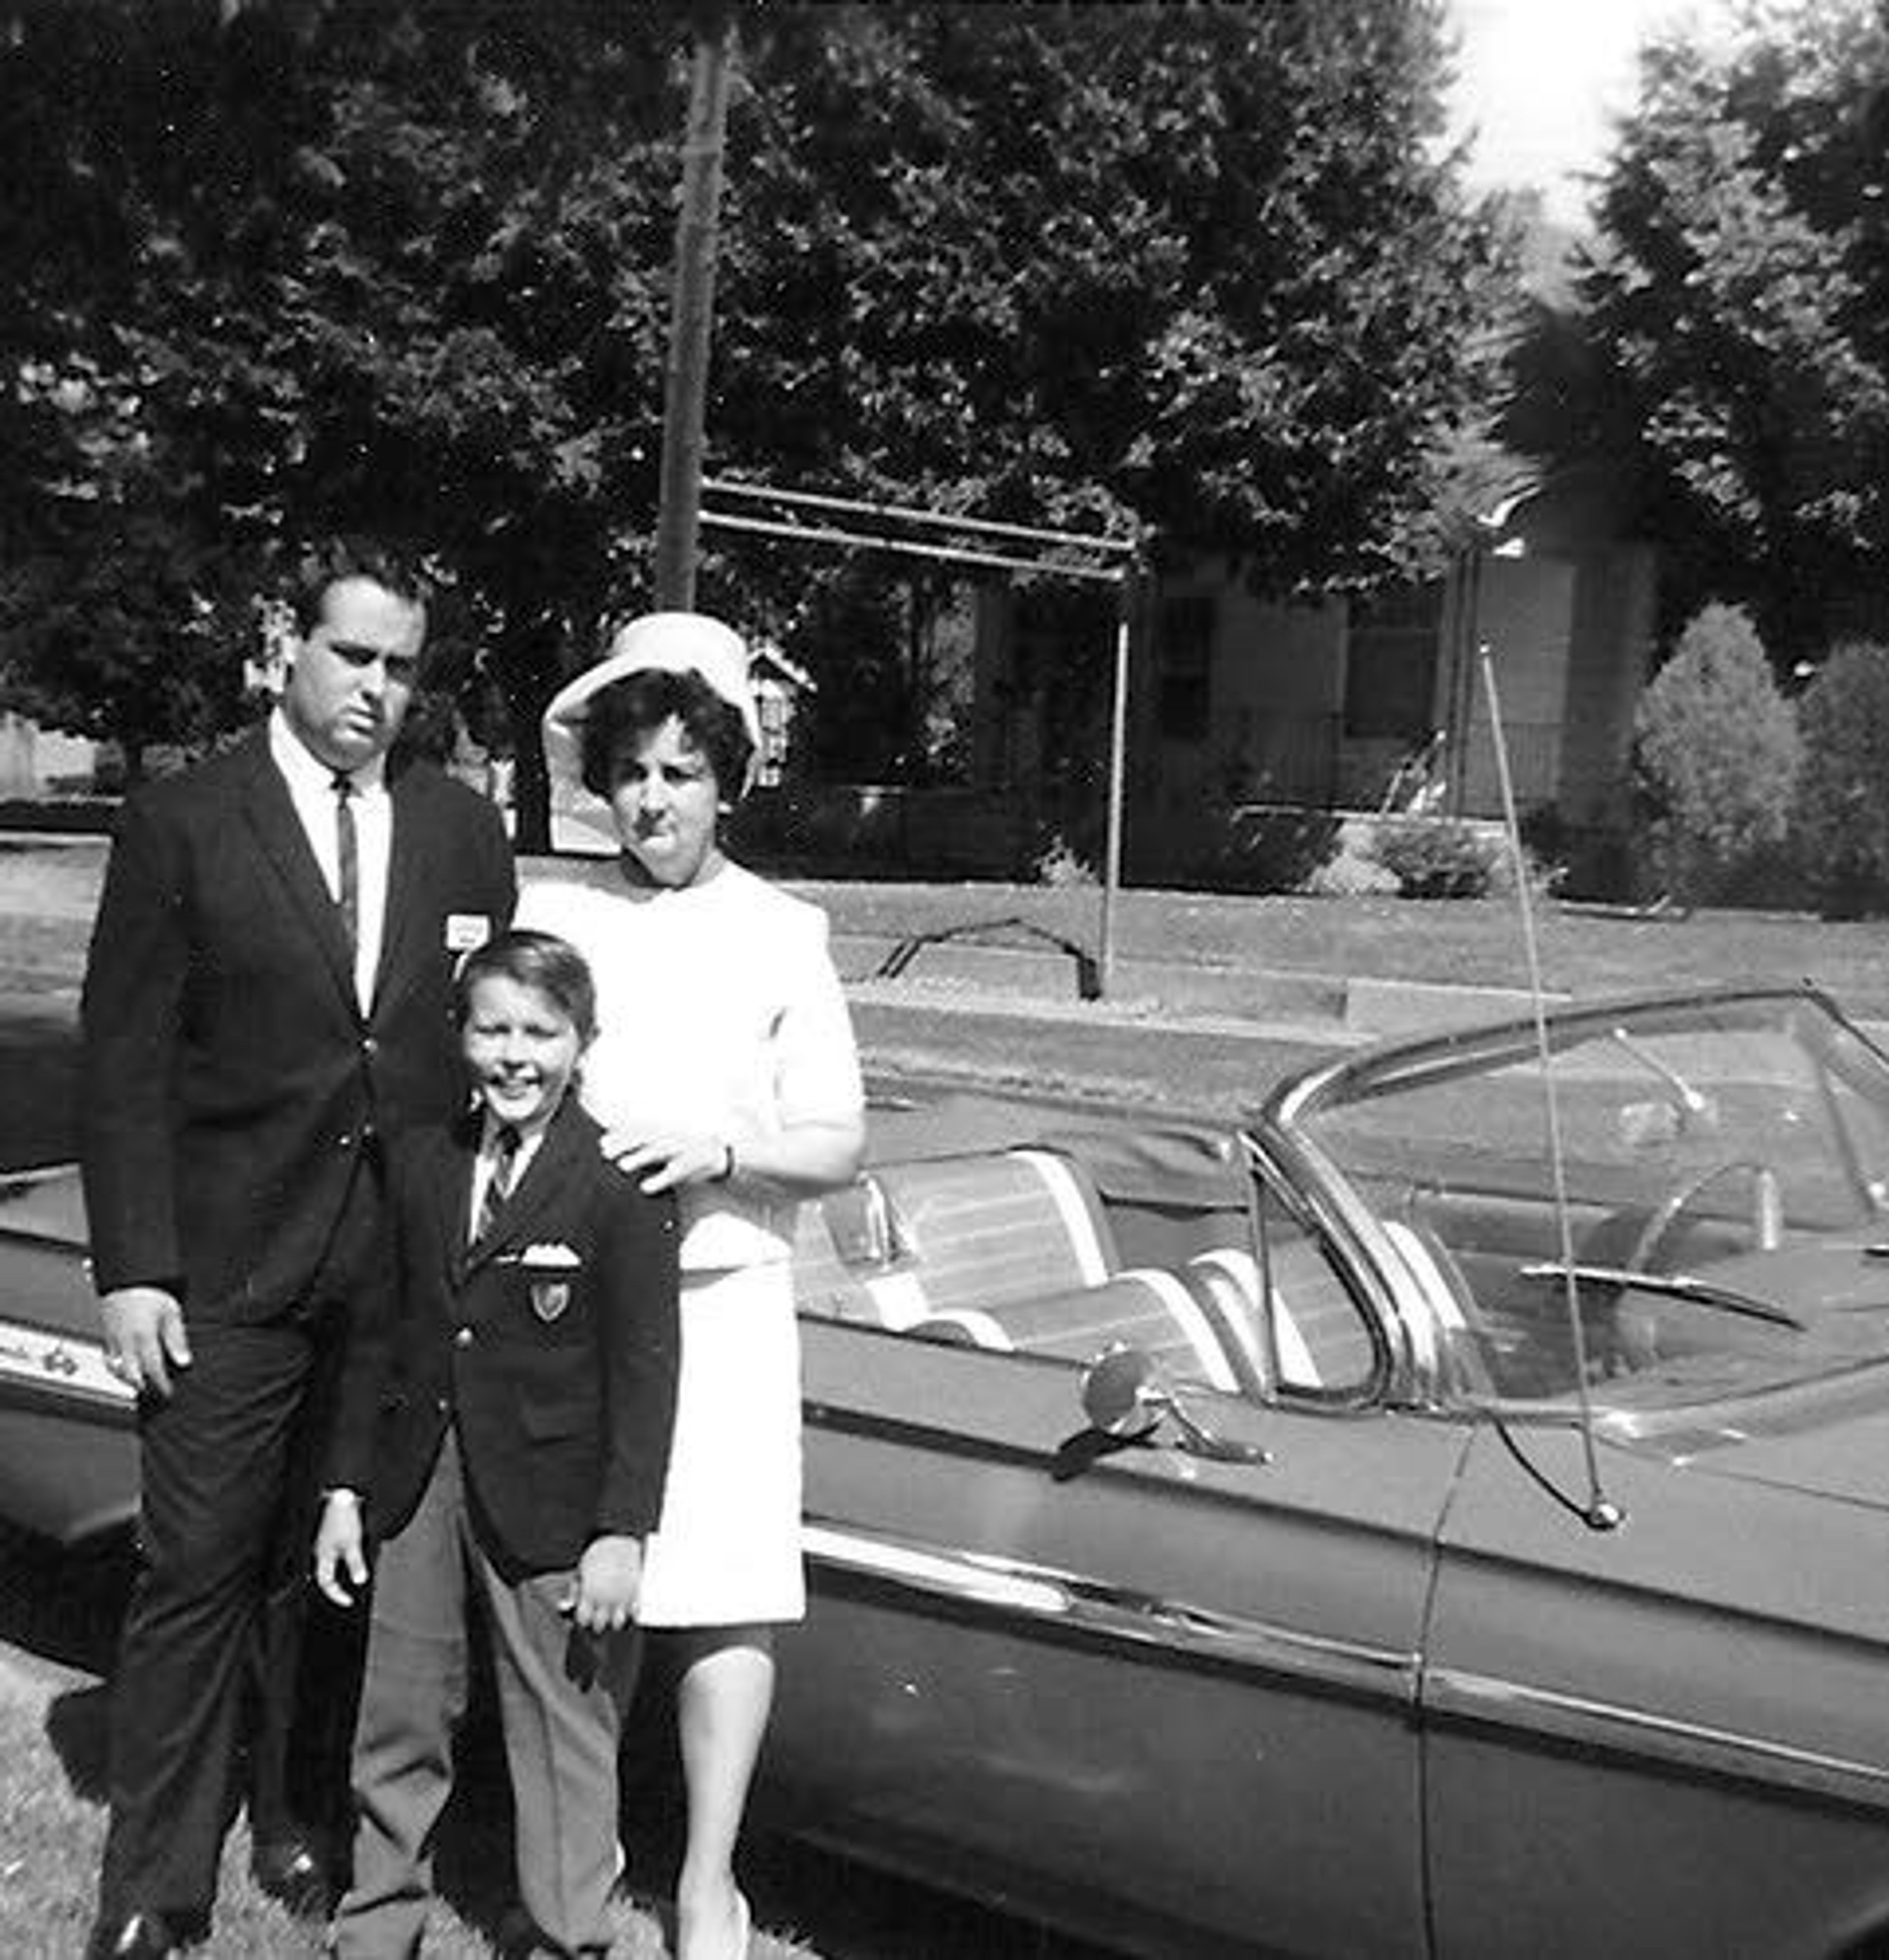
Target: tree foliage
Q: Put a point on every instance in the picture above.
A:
(1741, 298)
(1843, 804)
(1200, 273)
(1716, 752)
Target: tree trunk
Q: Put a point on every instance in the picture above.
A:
(530, 787)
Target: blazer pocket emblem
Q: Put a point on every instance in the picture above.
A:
(549, 1298)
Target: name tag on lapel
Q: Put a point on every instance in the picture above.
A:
(465, 932)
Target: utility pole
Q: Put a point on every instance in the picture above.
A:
(691, 321)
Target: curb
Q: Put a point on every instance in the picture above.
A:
(1053, 980)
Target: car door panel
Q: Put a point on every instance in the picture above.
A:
(1181, 1690)
(1658, 1738)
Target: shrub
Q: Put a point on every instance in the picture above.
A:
(1437, 858)
(1058, 863)
(1350, 872)
(1842, 813)
(1270, 849)
(1716, 753)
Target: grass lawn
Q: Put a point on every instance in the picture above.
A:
(1585, 950)
(46, 895)
(51, 1767)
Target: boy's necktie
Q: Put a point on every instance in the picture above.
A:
(498, 1185)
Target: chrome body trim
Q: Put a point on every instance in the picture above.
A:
(59, 1367)
(1453, 1696)
(1040, 1602)
(1046, 1604)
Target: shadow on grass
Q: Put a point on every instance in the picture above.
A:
(64, 1608)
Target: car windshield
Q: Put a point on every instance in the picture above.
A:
(1725, 1170)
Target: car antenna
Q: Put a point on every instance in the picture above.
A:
(1600, 1512)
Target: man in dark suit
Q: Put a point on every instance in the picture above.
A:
(266, 1001)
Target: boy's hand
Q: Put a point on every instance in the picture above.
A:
(339, 1554)
(609, 1577)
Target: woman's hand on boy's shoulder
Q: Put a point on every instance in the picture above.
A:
(667, 1161)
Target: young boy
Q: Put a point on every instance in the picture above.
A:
(504, 1416)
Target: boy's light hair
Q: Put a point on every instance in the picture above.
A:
(540, 960)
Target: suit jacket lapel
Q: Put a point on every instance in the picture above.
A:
(558, 1161)
(408, 919)
(285, 843)
(453, 1173)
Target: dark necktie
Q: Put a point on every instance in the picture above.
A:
(349, 846)
(498, 1185)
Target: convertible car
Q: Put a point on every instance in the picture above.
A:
(1449, 1517)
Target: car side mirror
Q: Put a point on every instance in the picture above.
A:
(1122, 1392)
(1126, 1394)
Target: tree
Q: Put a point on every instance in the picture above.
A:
(1191, 273)
(1200, 273)
(1716, 753)
(384, 269)
(1738, 297)
(1843, 800)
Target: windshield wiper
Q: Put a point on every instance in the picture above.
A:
(1675, 1286)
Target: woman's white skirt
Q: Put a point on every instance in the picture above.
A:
(727, 1551)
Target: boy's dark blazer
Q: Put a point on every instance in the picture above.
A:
(231, 1086)
(553, 1341)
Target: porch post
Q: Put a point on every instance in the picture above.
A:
(1125, 593)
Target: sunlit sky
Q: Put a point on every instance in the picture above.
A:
(1539, 80)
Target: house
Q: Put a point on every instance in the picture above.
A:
(1237, 703)
(35, 761)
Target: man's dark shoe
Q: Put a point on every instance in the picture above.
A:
(290, 1870)
(133, 1935)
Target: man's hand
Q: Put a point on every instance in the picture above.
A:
(145, 1338)
(340, 1561)
(609, 1577)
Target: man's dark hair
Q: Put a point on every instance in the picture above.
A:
(333, 559)
(628, 711)
(540, 960)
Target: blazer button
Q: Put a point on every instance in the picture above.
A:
(463, 1338)
(369, 1046)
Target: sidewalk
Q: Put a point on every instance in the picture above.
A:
(1058, 982)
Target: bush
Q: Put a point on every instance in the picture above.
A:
(1716, 752)
(1842, 812)
(1437, 858)
(1261, 849)
(1059, 864)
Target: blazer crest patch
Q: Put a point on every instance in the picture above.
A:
(549, 1298)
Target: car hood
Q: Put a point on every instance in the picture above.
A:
(1834, 1444)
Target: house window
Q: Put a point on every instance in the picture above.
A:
(1183, 649)
(1390, 683)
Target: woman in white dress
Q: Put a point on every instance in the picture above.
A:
(724, 1069)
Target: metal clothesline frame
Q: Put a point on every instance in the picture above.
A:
(1121, 572)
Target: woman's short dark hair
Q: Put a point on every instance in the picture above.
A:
(540, 960)
(626, 713)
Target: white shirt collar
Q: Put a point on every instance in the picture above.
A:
(307, 775)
